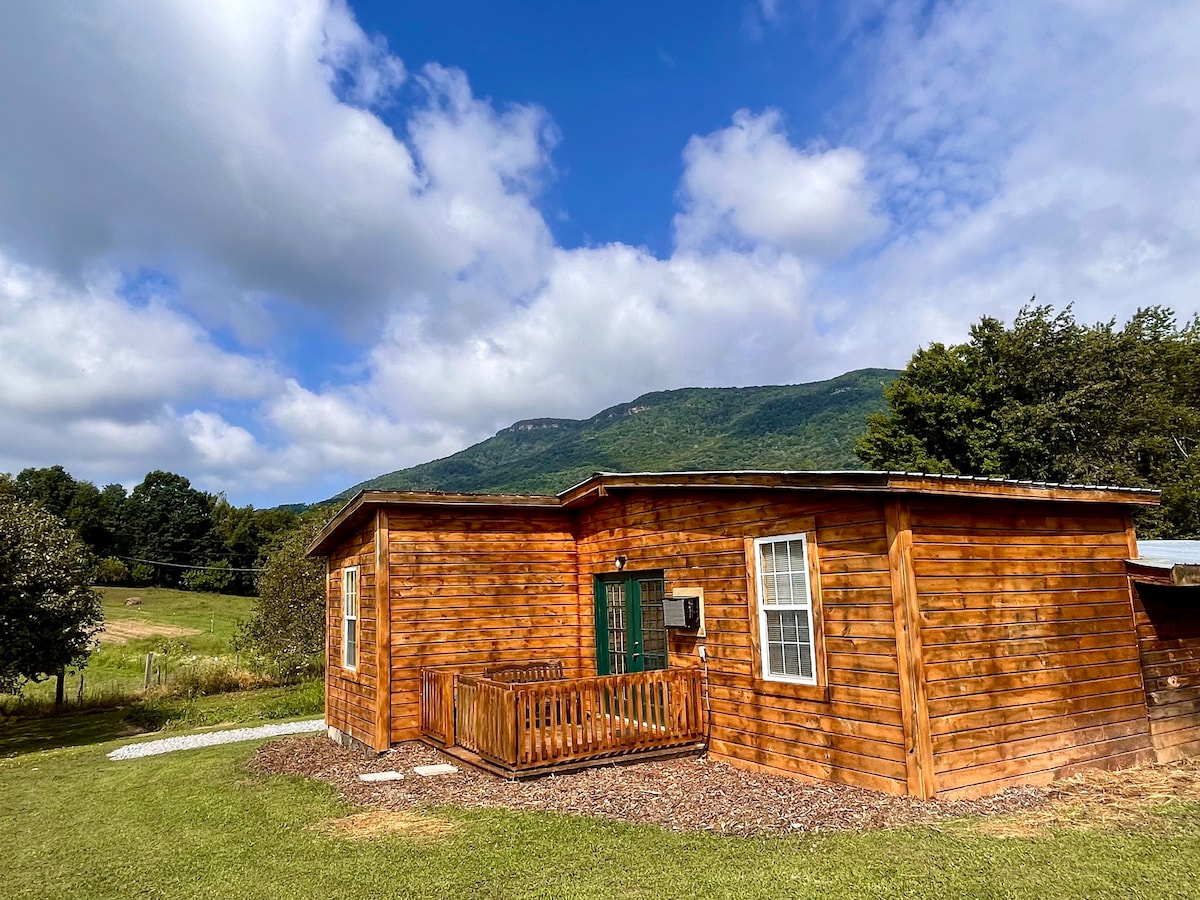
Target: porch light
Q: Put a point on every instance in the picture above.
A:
(619, 562)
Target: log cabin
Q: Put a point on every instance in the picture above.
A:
(915, 634)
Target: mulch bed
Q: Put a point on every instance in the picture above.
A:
(688, 794)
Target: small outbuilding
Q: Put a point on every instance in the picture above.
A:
(924, 634)
(1166, 608)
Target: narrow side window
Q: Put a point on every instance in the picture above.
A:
(785, 616)
(350, 617)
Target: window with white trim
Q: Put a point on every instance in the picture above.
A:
(785, 619)
(350, 617)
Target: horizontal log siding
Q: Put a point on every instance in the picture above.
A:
(350, 696)
(1168, 626)
(1030, 657)
(478, 586)
(697, 538)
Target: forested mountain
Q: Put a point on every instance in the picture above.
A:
(795, 426)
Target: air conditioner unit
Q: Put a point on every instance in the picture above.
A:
(682, 612)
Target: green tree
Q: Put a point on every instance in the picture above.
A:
(1051, 400)
(287, 624)
(48, 611)
(169, 521)
(52, 486)
(112, 515)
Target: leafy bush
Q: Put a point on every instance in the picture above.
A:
(112, 571)
(141, 574)
(215, 578)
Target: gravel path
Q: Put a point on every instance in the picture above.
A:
(212, 738)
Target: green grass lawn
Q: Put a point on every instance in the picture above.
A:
(195, 824)
(119, 665)
(28, 734)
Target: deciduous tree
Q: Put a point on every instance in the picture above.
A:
(287, 626)
(48, 611)
(1051, 400)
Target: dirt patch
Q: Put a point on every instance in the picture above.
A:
(121, 631)
(690, 794)
(378, 823)
(1140, 797)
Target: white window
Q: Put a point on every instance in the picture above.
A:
(350, 617)
(785, 620)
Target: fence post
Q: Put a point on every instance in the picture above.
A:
(149, 670)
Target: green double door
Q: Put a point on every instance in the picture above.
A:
(630, 635)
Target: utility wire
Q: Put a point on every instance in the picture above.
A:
(154, 562)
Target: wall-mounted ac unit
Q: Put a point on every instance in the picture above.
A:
(682, 611)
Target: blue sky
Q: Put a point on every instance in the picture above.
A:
(282, 246)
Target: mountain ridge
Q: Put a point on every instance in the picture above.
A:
(800, 426)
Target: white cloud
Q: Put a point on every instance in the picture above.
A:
(610, 322)
(1050, 149)
(273, 153)
(70, 351)
(209, 140)
(748, 183)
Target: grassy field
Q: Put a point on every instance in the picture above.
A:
(30, 734)
(174, 625)
(195, 824)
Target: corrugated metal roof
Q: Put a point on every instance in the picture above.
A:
(971, 479)
(1171, 553)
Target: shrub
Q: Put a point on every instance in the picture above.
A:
(216, 578)
(112, 571)
(142, 574)
(202, 677)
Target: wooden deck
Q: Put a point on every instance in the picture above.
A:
(520, 728)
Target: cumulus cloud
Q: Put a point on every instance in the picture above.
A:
(747, 183)
(232, 144)
(610, 322)
(272, 154)
(1049, 150)
(93, 382)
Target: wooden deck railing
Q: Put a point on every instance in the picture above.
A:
(437, 705)
(523, 726)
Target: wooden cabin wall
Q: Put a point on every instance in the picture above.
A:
(471, 586)
(853, 734)
(1168, 627)
(1029, 651)
(350, 695)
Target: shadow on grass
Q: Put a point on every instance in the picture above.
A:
(20, 735)
(44, 730)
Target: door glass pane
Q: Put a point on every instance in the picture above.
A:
(614, 599)
(654, 632)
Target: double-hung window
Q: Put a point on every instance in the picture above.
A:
(785, 617)
(350, 617)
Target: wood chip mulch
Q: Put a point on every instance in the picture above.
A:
(687, 794)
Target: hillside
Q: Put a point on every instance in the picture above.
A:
(794, 426)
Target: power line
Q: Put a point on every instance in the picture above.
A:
(154, 562)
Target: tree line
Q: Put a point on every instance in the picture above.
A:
(164, 532)
(1050, 399)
